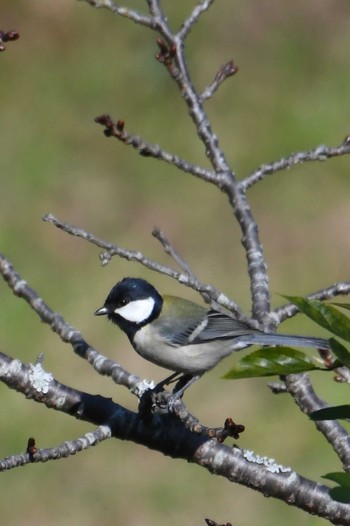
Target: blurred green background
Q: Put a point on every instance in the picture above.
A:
(292, 93)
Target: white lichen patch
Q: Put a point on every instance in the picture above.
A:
(39, 378)
(269, 463)
(143, 386)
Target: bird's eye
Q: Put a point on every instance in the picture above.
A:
(123, 301)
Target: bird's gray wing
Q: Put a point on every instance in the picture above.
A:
(221, 327)
(213, 326)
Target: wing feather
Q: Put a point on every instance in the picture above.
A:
(185, 323)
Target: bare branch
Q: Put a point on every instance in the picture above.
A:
(117, 130)
(226, 71)
(169, 249)
(126, 12)
(289, 310)
(300, 388)
(187, 25)
(67, 333)
(257, 269)
(288, 486)
(169, 436)
(320, 153)
(68, 448)
(172, 55)
(206, 291)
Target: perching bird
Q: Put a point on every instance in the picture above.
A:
(180, 335)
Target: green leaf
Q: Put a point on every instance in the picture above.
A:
(331, 413)
(271, 361)
(325, 315)
(343, 305)
(342, 492)
(341, 478)
(340, 351)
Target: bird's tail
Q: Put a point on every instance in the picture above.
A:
(286, 340)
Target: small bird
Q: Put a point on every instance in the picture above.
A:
(180, 335)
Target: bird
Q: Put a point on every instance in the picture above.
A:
(182, 336)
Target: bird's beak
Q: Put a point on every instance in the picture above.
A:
(101, 312)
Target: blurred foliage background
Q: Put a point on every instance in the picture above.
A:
(73, 63)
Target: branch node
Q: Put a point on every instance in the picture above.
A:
(166, 52)
(227, 70)
(7, 36)
(31, 448)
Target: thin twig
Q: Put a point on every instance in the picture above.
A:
(117, 130)
(169, 249)
(198, 10)
(206, 291)
(320, 153)
(227, 70)
(64, 450)
(289, 310)
(126, 12)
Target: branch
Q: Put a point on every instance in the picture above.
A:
(68, 448)
(169, 436)
(172, 55)
(169, 249)
(287, 311)
(67, 333)
(199, 9)
(289, 487)
(126, 12)
(320, 153)
(226, 71)
(207, 291)
(117, 130)
(101, 364)
(300, 388)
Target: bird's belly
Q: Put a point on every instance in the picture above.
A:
(191, 359)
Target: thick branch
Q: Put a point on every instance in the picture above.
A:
(169, 436)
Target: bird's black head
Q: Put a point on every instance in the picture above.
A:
(131, 304)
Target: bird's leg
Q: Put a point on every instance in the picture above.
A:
(184, 383)
(168, 380)
(153, 397)
(157, 396)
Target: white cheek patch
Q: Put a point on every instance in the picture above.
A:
(136, 311)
